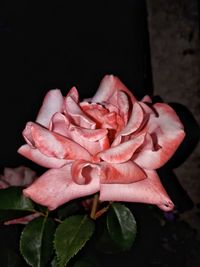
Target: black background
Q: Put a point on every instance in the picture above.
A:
(61, 44)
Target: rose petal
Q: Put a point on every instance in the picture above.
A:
(83, 171)
(78, 116)
(56, 187)
(119, 104)
(53, 102)
(123, 105)
(54, 145)
(146, 99)
(91, 135)
(122, 152)
(36, 156)
(60, 124)
(121, 173)
(168, 133)
(107, 88)
(87, 138)
(134, 123)
(149, 190)
(100, 115)
(73, 93)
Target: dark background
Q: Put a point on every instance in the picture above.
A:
(63, 44)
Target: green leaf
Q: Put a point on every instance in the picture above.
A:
(54, 262)
(36, 243)
(71, 236)
(121, 225)
(12, 198)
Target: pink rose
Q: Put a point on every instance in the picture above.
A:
(20, 176)
(110, 143)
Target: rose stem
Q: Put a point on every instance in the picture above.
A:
(94, 206)
(102, 211)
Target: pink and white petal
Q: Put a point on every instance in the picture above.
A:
(56, 187)
(134, 123)
(107, 88)
(53, 102)
(83, 171)
(23, 220)
(93, 147)
(122, 152)
(54, 145)
(27, 134)
(87, 138)
(104, 143)
(121, 173)
(148, 143)
(60, 124)
(19, 176)
(149, 190)
(120, 101)
(167, 132)
(36, 156)
(123, 104)
(146, 99)
(148, 110)
(99, 115)
(91, 135)
(73, 93)
(77, 115)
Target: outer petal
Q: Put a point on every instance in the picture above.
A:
(122, 152)
(146, 99)
(54, 145)
(36, 156)
(55, 187)
(149, 190)
(53, 102)
(167, 132)
(107, 88)
(73, 93)
(121, 173)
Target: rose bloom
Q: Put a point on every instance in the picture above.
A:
(20, 176)
(111, 143)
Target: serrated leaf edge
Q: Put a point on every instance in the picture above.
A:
(84, 218)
